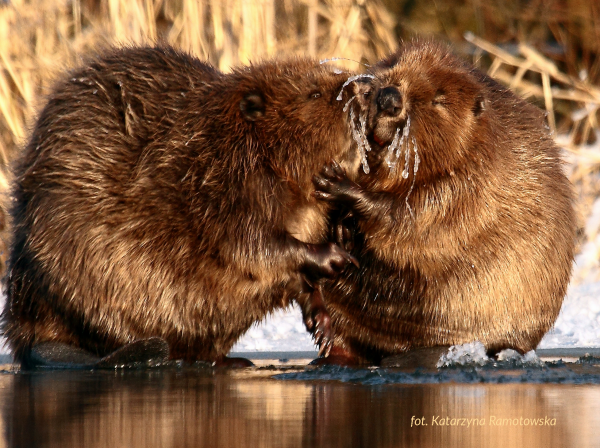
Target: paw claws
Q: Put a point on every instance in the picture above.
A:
(325, 348)
(321, 195)
(318, 180)
(353, 260)
(337, 169)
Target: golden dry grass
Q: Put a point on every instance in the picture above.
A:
(41, 38)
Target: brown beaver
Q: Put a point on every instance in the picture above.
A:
(466, 227)
(161, 198)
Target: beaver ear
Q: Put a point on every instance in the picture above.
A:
(387, 63)
(479, 105)
(253, 106)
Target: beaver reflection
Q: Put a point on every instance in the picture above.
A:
(206, 408)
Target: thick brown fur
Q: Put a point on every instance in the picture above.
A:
(478, 244)
(160, 197)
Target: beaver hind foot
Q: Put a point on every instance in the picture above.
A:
(56, 355)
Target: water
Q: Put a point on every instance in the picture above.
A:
(360, 137)
(291, 405)
(396, 147)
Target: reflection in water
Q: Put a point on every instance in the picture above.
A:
(203, 408)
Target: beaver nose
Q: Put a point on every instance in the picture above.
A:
(389, 100)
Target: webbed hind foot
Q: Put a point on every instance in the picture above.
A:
(57, 355)
(150, 352)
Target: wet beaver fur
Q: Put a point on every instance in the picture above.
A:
(161, 198)
(465, 226)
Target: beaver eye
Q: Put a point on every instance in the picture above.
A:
(315, 95)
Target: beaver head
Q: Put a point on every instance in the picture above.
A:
(292, 114)
(429, 111)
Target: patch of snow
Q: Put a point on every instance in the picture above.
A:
(474, 354)
(466, 354)
(578, 324)
(282, 331)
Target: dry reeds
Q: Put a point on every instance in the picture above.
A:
(566, 88)
(41, 38)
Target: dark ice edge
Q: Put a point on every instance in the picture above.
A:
(542, 353)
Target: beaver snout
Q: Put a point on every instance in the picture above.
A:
(389, 101)
(390, 116)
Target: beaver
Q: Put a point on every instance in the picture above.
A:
(465, 228)
(161, 199)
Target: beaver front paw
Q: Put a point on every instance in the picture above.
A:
(333, 185)
(325, 260)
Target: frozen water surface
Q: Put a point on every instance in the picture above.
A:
(585, 371)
